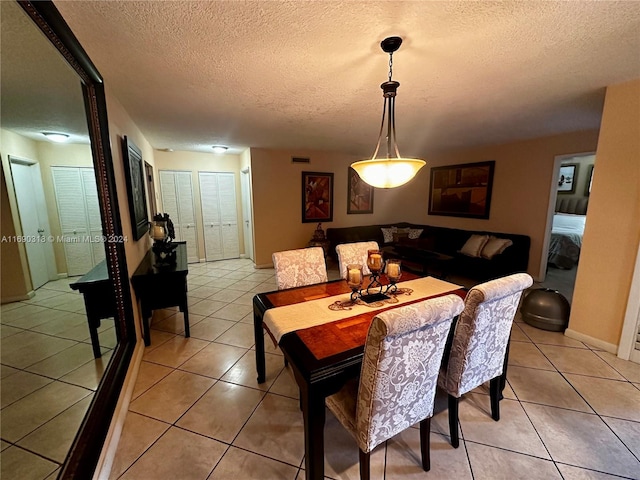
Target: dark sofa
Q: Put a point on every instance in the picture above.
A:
(447, 241)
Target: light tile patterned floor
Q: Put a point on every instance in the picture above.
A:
(570, 411)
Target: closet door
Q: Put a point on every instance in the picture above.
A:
(72, 210)
(176, 190)
(93, 214)
(210, 216)
(229, 215)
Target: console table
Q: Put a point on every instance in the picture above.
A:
(161, 286)
(99, 301)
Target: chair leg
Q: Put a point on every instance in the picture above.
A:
(364, 465)
(495, 393)
(425, 443)
(453, 421)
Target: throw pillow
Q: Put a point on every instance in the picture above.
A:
(495, 246)
(474, 245)
(387, 234)
(400, 233)
(415, 233)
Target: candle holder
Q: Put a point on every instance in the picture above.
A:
(394, 272)
(376, 265)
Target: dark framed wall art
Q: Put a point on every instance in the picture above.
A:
(462, 190)
(567, 178)
(317, 197)
(134, 171)
(359, 195)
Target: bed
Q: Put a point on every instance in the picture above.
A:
(566, 240)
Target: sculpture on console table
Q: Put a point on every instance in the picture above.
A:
(162, 232)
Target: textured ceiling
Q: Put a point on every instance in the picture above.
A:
(306, 74)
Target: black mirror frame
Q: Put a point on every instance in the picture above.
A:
(86, 448)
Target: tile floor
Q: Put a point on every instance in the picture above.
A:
(571, 411)
(47, 380)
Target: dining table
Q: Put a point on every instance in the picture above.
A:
(322, 336)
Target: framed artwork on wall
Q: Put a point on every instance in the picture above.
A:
(359, 195)
(462, 190)
(317, 197)
(134, 172)
(567, 178)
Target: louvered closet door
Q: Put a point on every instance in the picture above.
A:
(210, 216)
(93, 213)
(72, 210)
(229, 215)
(176, 190)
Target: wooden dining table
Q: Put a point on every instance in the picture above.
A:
(323, 357)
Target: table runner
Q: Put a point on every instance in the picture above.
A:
(282, 320)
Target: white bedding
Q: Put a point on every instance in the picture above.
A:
(566, 239)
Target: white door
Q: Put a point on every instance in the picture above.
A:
(228, 215)
(34, 220)
(210, 216)
(219, 213)
(176, 191)
(245, 187)
(93, 214)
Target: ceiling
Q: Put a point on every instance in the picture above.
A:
(307, 74)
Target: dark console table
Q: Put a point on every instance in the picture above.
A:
(161, 286)
(99, 301)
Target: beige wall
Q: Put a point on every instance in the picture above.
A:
(195, 162)
(612, 231)
(520, 198)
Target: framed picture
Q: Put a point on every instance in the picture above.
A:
(317, 197)
(587, 189)
(462, 190)
(567, 178)
(134, 172)
(360, 194)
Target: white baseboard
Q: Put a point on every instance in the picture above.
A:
(594, 342)
(105, 462)
(18, 298)
(62, 275)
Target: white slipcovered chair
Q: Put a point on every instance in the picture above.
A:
(354, 253)
(398, 378)
(480, 343)
(296, 268)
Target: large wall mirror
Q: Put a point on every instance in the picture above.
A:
(50, 85)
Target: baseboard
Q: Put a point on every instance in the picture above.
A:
(594, 342)
(62, 275)
(18, 298)
(105, 462)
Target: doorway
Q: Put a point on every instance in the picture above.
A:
(247, 224)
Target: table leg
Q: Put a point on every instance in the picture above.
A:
(258, 333)
(95, 342)
(146, 318)
(313, 413)
(185, 313)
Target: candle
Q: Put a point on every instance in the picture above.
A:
(353, 276)
(158, 233)
(376, 261)
(393, 270)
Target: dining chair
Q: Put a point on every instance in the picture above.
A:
(297, 268)
(480, 343)
(354, 253)
(398, 377)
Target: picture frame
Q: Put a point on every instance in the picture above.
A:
(134, 173)
(587, 189)
(317, 197)
(567, 178)
(359, 194)
(462, 190)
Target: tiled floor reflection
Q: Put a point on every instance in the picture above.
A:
(570, 411)
(48, 378)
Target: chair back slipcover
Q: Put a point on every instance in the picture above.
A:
(399, 374)
(296, 268)
(482, 333)
(354, 253)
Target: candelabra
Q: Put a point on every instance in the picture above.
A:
(375, 290)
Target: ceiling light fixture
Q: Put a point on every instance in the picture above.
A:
(389, 172)
(56, 137)
(219, 148)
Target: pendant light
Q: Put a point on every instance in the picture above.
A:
(392, 171)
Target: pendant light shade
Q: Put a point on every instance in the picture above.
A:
(392, 171)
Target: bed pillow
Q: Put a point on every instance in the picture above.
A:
(474, 245)
(387, 234)
(400, 234)
(415, 233)
(495, 246)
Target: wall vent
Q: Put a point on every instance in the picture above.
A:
(300, 160)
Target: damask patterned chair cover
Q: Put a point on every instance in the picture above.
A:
(480, 343)
(399, 374)
(296, 268)
(354, 253)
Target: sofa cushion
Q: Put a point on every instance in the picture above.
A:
(495, 246)
(387, 233)
(415, 233)
(400, 234)
(474, 245)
